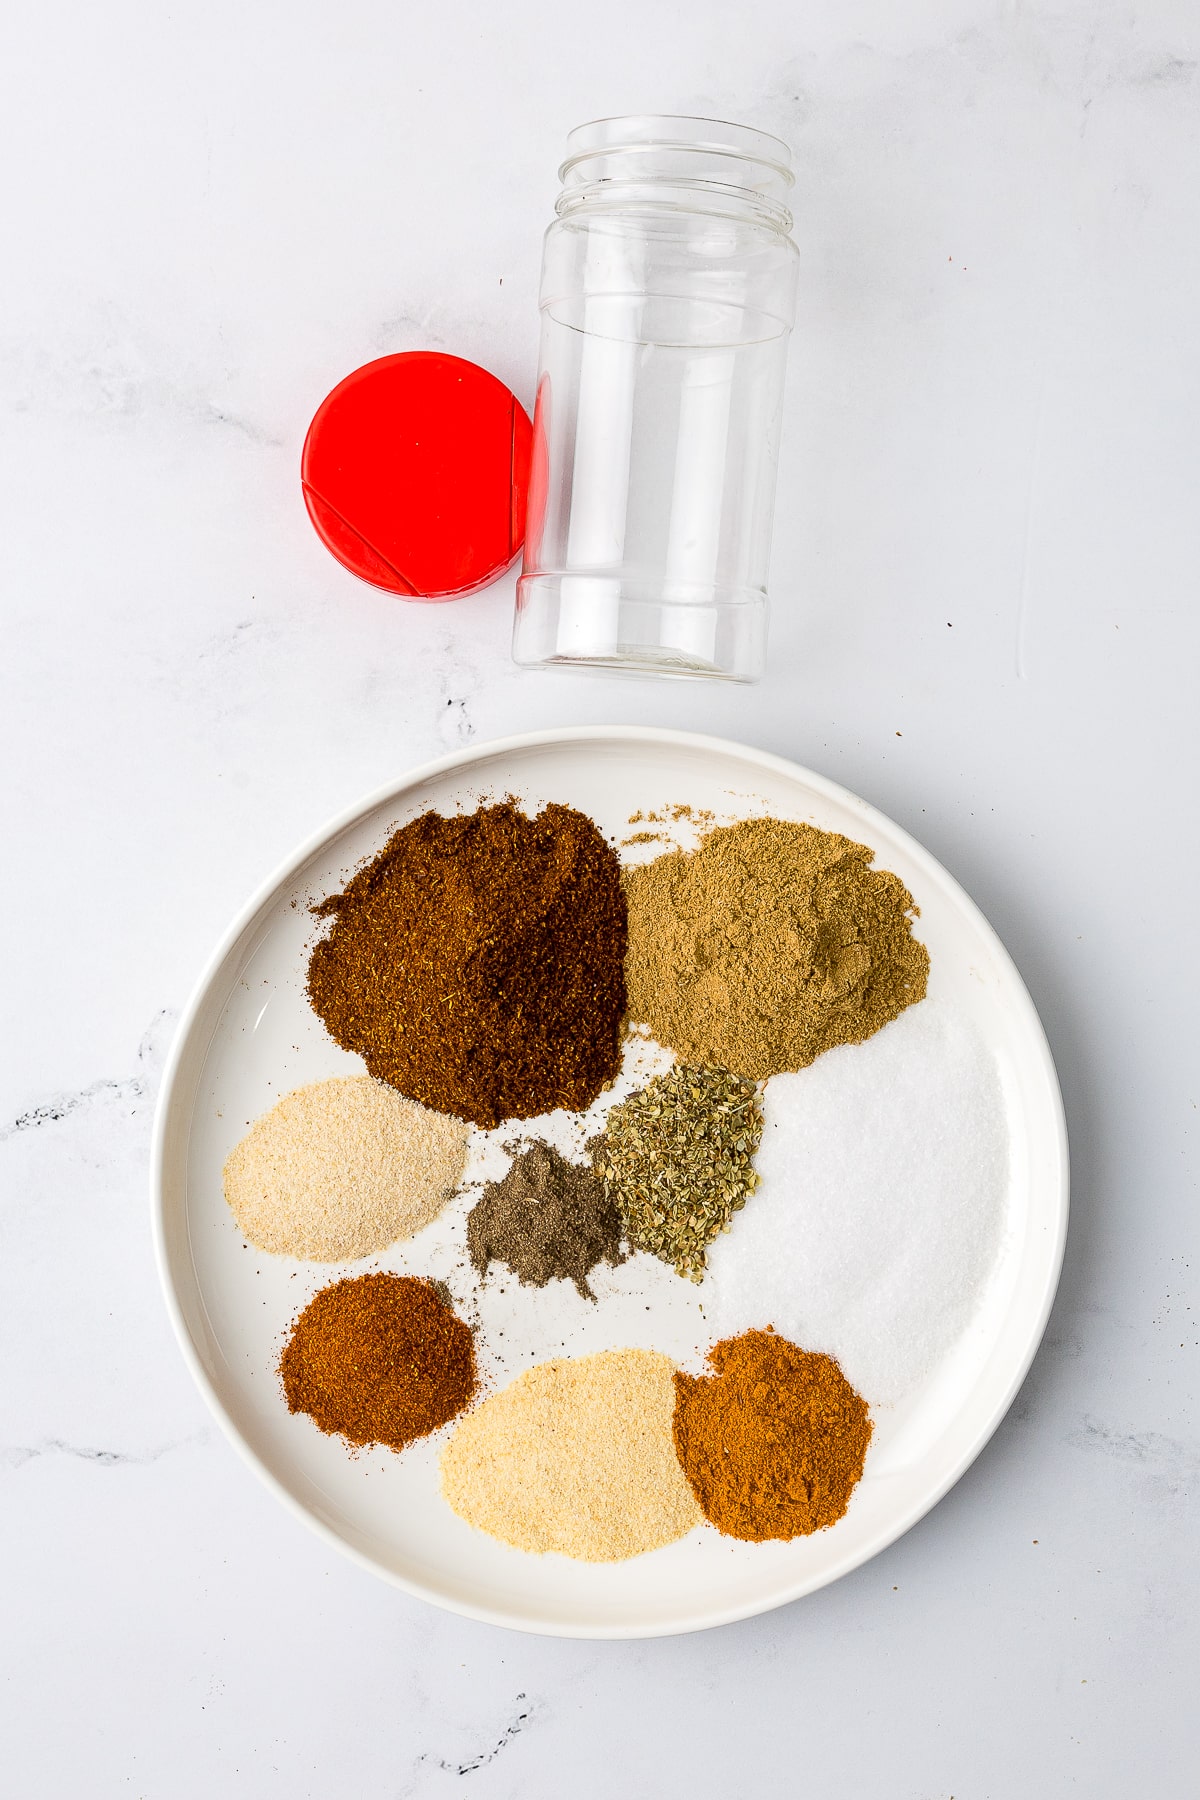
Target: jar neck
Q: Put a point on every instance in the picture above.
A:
(660, 164)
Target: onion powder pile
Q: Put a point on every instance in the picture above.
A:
(343, 1168)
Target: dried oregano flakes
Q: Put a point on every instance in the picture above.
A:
(677, 1159)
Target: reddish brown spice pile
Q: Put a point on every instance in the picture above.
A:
(774, 1443)
(379, 1359)
(477, 964)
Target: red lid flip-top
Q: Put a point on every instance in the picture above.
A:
(416, 474)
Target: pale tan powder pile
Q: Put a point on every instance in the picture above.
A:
(768, 945)
(343, 1168)
(575, 1456)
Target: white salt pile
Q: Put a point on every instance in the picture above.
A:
(881, 1211)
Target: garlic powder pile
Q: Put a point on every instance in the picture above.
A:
(575, 1456)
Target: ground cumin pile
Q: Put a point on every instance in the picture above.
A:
(773, 1444)
(380, 1359)
(477, 963)
(767, 945)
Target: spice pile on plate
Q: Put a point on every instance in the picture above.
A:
(769, 944)
(676, 1157)
(380, 1360)
(495, 971)
(477, 964)
(575, 1456)
(343, 1168)
(773, 1443)
(547, 1220)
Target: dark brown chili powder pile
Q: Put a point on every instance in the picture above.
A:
(477, 963)
(548, 1220)
(379, 1359)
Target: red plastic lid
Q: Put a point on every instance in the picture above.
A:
(416, 474)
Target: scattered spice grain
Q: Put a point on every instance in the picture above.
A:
(676, 1158)
(773, 1444)
(575, 1457)
(379, 1359)
(547, 1220)
(340, 1169)
(769, 944)
(477, 963)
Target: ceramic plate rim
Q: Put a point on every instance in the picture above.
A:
(169, 1102)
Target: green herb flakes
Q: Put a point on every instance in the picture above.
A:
(676, 1158)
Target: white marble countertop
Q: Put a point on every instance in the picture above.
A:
(985, 622)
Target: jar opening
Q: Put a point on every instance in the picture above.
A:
(680, 163)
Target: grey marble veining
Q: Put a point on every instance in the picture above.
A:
(984, 621)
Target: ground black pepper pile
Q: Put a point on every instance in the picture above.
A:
(477, 963)
(547, 1220)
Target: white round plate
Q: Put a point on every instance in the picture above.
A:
(248, 1036)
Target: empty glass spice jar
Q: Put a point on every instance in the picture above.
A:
(667, 298)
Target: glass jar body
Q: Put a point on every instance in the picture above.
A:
(666, 305)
